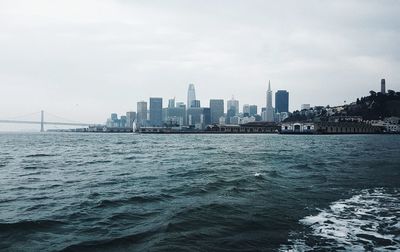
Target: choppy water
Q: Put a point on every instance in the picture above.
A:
(106, 192)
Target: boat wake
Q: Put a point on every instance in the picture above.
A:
(369, 220)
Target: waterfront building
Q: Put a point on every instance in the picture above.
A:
(175, 116)
(141, 113)
(155, 111)
(246, 110)
(305, 106)
(207, 116)
(233, 104)
(179, 104)
(247, 120)
(171, 103)
(113, 121)
(195, 116)
(281, 101)
(230, 114)
(383, 86)
(253, 110)
(114, 117)
(269, 112)
(195, 104)
(109, 123)
(279, 117)
(221, 120)
(329, 128)
(191, 95)
(130, 118)
(298, 127)
(251, 127)
(264, 116)
(122, 122)
(216, 110)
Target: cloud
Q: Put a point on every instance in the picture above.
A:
(107, 55)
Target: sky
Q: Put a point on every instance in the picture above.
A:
(83, 60)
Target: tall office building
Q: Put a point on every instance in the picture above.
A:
(191, 95)
(281, 101)
(233, 104)
(184, 107)
(253, 110)
(171, 103)
(216, 110)
(195, 104)
(130, 118)
(195, 116)
(176, 116)
(246, 110)
(141, 113)
(155, 111)
(114, 117)
(383, 86)
(207, 116)
(269, 112)
(122, 122)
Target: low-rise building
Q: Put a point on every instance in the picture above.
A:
(329, 128)
(252, 127)
(298, 127)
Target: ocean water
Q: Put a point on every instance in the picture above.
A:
(129, 192)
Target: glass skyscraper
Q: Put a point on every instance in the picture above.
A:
(216, 110)
(281, 101)
(191, 95)
(155, 111)
(141, 113)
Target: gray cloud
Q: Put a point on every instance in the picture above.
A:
(107, 55)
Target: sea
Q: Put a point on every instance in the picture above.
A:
(133, 192)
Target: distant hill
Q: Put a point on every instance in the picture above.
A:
(373, 107)
(376, 106)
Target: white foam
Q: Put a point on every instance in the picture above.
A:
(354, 224)
(257, 175)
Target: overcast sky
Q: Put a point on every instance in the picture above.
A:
(83, 60)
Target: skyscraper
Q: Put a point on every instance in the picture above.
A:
(130, 118)
(269, 112)
(281, 101)
(176, 115)
(195, 104)
(155, 111)
(383, 86)
(253, 110)
(191, 96)
(141, 113)
(233, 104)
(246, 110)
(216, 110)
(171, 103)
(195, 116)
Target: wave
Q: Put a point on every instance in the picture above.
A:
(132, 200)
(369, 220)
(29, 225)
(116, 244)
(94, 162)
(40, 155)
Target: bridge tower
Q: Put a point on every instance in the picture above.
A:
(42, 121)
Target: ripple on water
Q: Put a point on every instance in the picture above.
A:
(39, 155)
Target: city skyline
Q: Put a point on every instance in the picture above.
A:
(96, 58)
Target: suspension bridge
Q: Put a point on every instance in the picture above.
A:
(42, 121)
